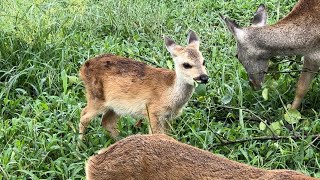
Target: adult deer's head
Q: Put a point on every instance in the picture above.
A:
(249, 51)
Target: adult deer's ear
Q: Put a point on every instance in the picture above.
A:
(233, 27)
(193, 39)
(260, 17)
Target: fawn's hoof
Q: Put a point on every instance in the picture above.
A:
(81, 136)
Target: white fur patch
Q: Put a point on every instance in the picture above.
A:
(133, 107)
(240, 34)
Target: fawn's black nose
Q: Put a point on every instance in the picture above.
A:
(204, 78)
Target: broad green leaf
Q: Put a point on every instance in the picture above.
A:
(44, 105)
(201, 90)
(177, 29)
(276, 145)
(226, 99)
(136, 37)
(73, 79)
(292, 116)
(306, 124)
(271, 84)
(309, 153)
(276, 127)
(274, 66)
(262, 126)
(265, 93)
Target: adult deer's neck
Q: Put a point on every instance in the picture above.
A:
(288, 38)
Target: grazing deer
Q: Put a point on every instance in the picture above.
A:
(296, 34)
(161, 157)
(119, 86)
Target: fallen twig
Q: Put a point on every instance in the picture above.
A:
(251, 112)
(264, 138)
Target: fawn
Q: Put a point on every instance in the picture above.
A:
(119, 86)
(296, 34)
(161, 157)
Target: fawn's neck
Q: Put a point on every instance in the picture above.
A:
(181, 92)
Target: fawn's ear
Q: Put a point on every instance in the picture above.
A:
(170, 45)
(260, 17)
(193, 39)
(233, 27)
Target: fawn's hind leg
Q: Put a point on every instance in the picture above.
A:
(89, 112)
(109, 123)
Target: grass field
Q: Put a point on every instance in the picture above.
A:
(43, 44)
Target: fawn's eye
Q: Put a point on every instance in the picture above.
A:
(203, 63)
(236, 56)
(187, 65)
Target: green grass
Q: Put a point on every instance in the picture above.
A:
(43, 44)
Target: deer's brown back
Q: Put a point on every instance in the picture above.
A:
(161, 157)
(304, 12)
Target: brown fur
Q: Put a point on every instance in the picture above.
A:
(296, 34)
(119, 86)
(109, 67)
(160, 157)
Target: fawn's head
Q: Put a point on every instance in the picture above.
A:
(249, 52)
(188, 61)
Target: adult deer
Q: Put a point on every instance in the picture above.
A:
(120, 86)
(296, 34)
(146, 157)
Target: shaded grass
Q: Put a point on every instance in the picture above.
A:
(43, 44)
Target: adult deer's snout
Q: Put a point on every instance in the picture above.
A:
(255, 81)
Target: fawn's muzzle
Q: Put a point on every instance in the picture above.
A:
(203, 78)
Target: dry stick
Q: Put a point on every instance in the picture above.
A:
(303, 70)
(220, 137)
(273, 137)
(249, 111)
(149, 61)
(286, 61)
(263, 138)
(311, 143)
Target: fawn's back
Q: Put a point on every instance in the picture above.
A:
(117, 81)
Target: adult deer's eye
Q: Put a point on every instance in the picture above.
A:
(187, 65)
(236, 56)
(203, 63)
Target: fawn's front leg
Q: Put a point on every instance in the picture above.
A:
(92, 109)
(157, 124)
